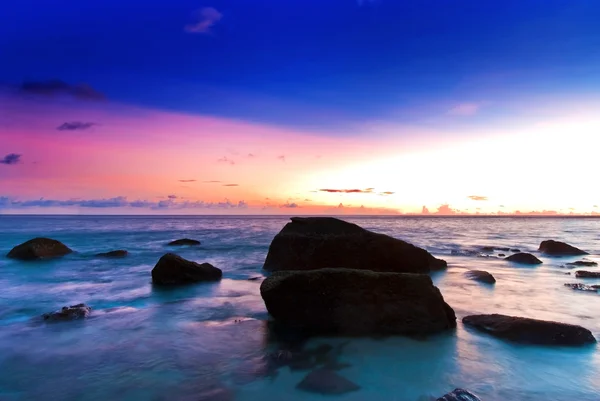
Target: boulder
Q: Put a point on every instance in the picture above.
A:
(530, 331)
(481, 276)
(557, 248)
(459, 395)
(586, 274)
(184, 241)
(39, 248)
(523, 258)
(356, 302)
(172, 269)
(310, 243)
(583, 287)
(73, 312)
(587, 263)
(120, 253)
(326, 382)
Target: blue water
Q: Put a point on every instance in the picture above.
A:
(206, 341)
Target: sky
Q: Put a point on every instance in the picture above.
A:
(299, 107)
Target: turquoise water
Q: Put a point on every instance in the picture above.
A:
(206, 341)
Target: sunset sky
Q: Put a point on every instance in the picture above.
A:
(299, 107)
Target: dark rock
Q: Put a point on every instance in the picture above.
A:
(587, 263)
(530, 331)
(488, 249)
(356, 302)
(503, 249)
(121, 253)
(326, 382)
(584, 287)
(73, 312)
(39, 248)
(461, 252)
(557, 248)
(481, 276)
(255, 278)
(310, 243)
(586, 274)
(501, 255)
(459, 395)
(184, 241)
(515, 250)
(524, 258)
(173, 269)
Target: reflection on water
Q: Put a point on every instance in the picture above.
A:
(211, 342)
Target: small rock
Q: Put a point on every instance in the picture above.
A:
(488, 249)
(459, 395)
(503, 249)
(557, 248)
(586, 274)
(184, 241)
(172, 269)
(587, 263)
(326, 382)
(584, 287)
(255, 278)
(524, 258)
(481, 276)
(530, 331)
(121, 253)
(39, 248)
(73, 312)
(515, 250)
(501, 255)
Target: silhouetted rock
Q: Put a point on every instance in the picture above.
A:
(515, 250)
(530, 331)
(587, 263)
(481, 276)
(356, 302)
(184, 241)
(501, 255)
(524, 258)
(557, 248)
(326, 382)
(310, 243)
(586, 274)
(73, 312)
(121, 253)
(173, 269)
(503, 249)
(584, 287)
(255, 278)
(459, 395)
(488, 249)
(39, 248)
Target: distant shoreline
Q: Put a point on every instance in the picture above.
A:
(359, 216)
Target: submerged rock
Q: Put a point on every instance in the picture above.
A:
(523, 258)
(557, 248)
(173, 269)
(501, 255)
(73, 312)
(488, 249)
(326, 382)
(587, 263)
(184, 241)
(464, 252)
(120, 253)
(459, 395)
(39, 248)
(515, 250)
(586, 274)
(481, 276)
(356, 302)
(584, 287)
(530, 331)
(310, 243)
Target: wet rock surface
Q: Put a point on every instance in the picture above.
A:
(39, 248)
(481, 276)
(583, 287)
(587, 263)
(183, 242)
(172, 269)
(586, 274)
(67, 313)
(459, 394)
(558, 248)
(524, 259)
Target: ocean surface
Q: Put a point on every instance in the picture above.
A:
(208, 341)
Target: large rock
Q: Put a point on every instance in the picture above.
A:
(309, 243)
(39, 248)
(356, 302)
(557, 248)
(586, 274)
(481, 276)
(183, 242)
(172, 269)
(524, 259)
(73, 312)
(459, 395)
(530, 331)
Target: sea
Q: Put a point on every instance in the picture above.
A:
(208, 341)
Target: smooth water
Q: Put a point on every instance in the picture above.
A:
(206, 341)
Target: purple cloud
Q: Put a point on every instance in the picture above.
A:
(207, 18)
(11, 158)
(57, 87)
(74, 126)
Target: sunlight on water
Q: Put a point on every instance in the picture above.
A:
(208, 341)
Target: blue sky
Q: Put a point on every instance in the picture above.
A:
(322, 65)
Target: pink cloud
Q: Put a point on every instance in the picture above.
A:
(208, 17)
(465, 109)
